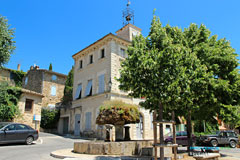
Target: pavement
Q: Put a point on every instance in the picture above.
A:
(67, 154)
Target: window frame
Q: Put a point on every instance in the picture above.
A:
(103, 83)
(27, 102)
(54, 77)
(80, 92)
(53, 86)
(102, 53)
(91, 59)
(81, 64)
(90, 86)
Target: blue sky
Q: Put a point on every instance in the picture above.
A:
(51, 31)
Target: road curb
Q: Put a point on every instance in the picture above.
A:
(56, 154)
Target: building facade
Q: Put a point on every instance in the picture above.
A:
(29, 103)
(48, 83)
(95, 71)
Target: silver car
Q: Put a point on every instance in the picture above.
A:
(17, 133)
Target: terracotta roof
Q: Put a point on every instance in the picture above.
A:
(31, 92)
(110, 34)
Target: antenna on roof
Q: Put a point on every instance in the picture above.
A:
(128, 15)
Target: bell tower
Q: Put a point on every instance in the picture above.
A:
(128, 15)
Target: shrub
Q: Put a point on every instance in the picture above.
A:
(49, 118)
(117, 113)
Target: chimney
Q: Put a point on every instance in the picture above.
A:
(18, 67)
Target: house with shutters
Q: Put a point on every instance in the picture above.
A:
(96, 68)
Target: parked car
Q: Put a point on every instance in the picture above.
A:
(181, 138)
(220, 137)
(17, 133)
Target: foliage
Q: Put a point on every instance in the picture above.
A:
(49, 118)
(9, 97)
(117, 113)
(210, 126)
(7, 45)
(50, 67)
(18, 77)
(67, 98)
(184, 71)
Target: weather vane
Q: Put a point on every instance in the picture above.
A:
(128, 15)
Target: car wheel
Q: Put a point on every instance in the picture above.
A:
(214, 143)
(232, 144)
(29, 140)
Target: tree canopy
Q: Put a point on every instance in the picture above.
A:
(50, 67)
(184, 70)
(7, 45)
(67, 97)
(117, 113)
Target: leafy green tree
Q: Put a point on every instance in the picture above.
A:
(67, 98)
(7, 45)
(49, 118)
(9, 97)
(50, 67)
(187, 71)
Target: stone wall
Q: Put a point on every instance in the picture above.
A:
(4, 75)
(34, 80)
(27, 117)
(59, 83)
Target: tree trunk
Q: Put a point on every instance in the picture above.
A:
(161, 131)
(189, 130)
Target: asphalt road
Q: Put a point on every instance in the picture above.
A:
(49, 142)
(39, 151)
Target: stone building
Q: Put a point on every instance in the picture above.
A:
(6, 76)
(95, 70)
(29, 103)
(48, 83)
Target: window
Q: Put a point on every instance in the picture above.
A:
(101, 84)
(21, 127)
(90, 59)
(80, 64)
(102, 53)
(53, 90)
(78, 92)
(54, 77)
(10, 127)
(88, 120)
(88, 91)
(28, 105)
(122, 53)
(26, 80)
(231, 134)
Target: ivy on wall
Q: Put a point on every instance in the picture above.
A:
(17, 76)
(9, 97)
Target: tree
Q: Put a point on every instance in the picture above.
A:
(116, 112)
(9, 97)
(49, 118)
(67, 97)
(186, 71)
(7, 45)
(50, 67)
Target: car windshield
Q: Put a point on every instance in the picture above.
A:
(2, 125)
